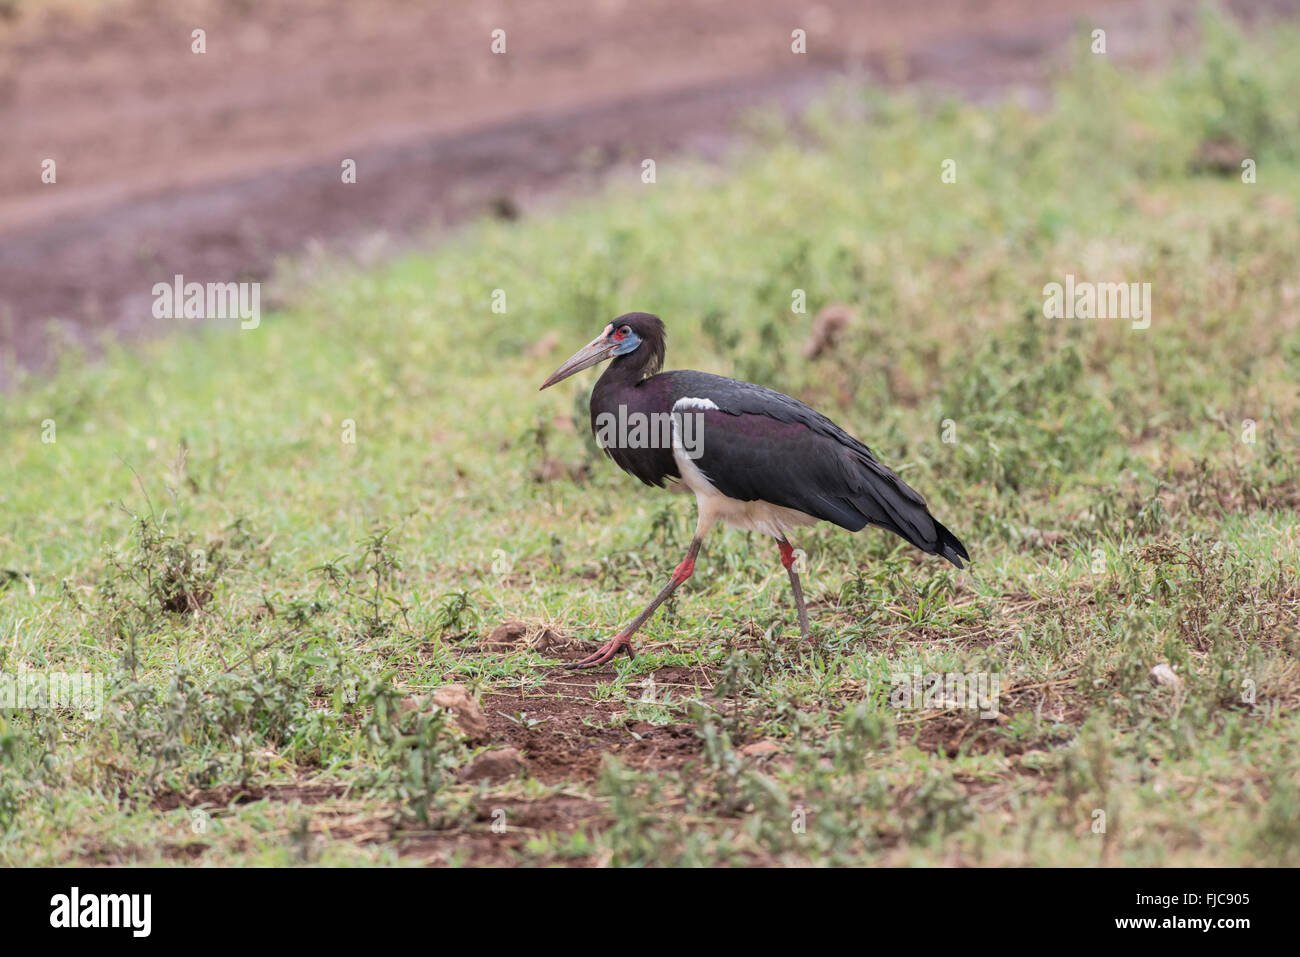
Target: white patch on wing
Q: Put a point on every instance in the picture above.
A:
(714, 507)
(690, 402)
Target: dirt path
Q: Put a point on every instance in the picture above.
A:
(214, 165)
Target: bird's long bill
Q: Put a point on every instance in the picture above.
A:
(598, 350)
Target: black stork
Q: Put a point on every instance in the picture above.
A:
(755, 459)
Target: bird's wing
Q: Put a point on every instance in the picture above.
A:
(753, 443)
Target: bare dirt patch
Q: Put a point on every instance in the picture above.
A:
(231, 795)
(568, 728)
(523, 820)
(214, 165)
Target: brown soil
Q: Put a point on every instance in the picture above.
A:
(226, 796)
(575, 729)
(214, 165)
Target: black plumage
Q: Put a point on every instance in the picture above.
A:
(758, 446)
(762, 445)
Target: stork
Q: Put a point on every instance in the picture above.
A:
(755, 459)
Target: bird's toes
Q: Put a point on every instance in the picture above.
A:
(604, 654)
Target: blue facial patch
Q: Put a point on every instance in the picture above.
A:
(625, 345)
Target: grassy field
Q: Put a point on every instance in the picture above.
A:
(273, 545)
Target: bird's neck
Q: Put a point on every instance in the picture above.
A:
(622, 373)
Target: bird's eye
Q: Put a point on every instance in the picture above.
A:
(625, 331)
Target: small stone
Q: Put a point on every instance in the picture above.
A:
(1223, 156)
(505, 636)
(557, 470)
(826, 329)
(497, 765)
(466, 711)
(545, 640)
(1164, 675)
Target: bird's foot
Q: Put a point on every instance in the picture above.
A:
(606, 652)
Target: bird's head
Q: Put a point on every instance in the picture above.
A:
(638, 336)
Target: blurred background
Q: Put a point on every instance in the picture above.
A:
(216, 164)
(262, 540)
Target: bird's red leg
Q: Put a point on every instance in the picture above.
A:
(788, 560)
(623, 640)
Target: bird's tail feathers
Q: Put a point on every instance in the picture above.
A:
(893, 504)
(950, 547)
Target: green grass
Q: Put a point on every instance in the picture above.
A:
(260, 595)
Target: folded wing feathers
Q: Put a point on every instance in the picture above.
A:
(841, 480)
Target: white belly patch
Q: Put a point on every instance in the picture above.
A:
(714, 507)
